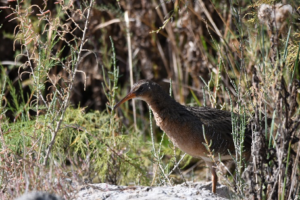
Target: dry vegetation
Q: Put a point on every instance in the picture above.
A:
(64, 64)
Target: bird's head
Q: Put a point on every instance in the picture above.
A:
(140, 90)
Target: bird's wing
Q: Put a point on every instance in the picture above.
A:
(219, 121)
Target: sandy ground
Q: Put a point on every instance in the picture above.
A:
(104, 191)
(193, 191)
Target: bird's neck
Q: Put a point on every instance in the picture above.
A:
(163, 105)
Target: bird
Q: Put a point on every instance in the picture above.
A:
(191, 128)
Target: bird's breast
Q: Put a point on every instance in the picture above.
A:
(158, 119)
(183, 134)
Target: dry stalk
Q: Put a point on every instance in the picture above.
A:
(72, 77)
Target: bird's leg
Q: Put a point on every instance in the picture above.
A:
(214, 179)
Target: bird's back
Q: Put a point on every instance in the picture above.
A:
(218, 128)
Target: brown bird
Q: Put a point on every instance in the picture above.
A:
(184, 125)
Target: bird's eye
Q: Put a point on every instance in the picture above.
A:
(141, 88)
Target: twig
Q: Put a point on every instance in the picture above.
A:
(130, 63)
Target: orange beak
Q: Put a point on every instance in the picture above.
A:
(129, 96)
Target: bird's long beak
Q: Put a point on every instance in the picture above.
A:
(129, 96)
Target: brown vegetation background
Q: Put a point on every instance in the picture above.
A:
(182, 51)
